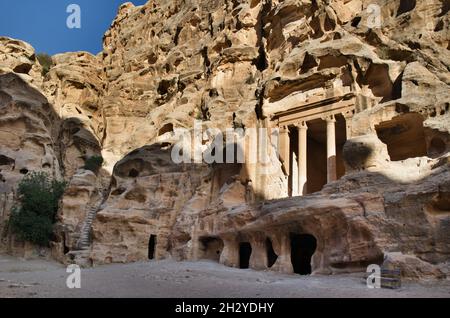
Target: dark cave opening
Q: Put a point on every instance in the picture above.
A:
(303, 247)
(151, 247)
(271, 255)
(245, 251)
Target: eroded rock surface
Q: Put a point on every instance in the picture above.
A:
(377, 194)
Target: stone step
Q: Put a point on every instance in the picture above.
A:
(84, 240)
(78, 253)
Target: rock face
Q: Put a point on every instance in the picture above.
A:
(74, 86)
(148, 193)
(28, 127)
(358, 175)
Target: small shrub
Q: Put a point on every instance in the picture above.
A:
(93, 163)
(33, 219)
(46, 61)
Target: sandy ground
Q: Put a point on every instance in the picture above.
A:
(167, 279)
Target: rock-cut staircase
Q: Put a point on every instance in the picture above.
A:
(84, 241)
(81, 253)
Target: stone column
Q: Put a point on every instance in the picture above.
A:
(294, 175)
(285, 148)
(281, 243)
(258, 258)
(195, 250)
(302, 157)
(348, 123)
(331, 149)
(230, 253)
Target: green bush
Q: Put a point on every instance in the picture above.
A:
(33, 219)
(93, 163)
(46, 61)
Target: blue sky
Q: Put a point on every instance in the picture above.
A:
(42, 23)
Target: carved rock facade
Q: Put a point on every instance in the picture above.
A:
(361, 101)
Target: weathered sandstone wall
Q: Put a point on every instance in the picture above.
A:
(243, 64)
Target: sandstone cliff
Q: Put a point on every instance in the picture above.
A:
(244, 64)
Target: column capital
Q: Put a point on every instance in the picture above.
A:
(301, 125)
(329, 118)
(283, 129)
(348, 114)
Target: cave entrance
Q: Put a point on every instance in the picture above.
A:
(6, 161)
(133, 173)
(437, 147)
(404, 136)
(211, 248)
(245, 251)
(303, 247)
(168, 128)
(271, 255)
(151, 247)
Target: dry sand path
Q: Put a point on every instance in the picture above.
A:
(38, 278)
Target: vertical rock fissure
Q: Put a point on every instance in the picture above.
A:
(261, 61)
